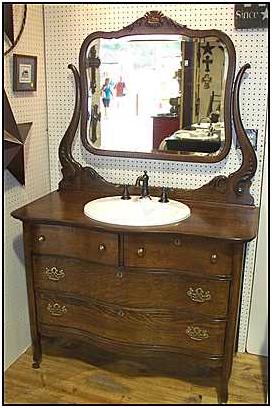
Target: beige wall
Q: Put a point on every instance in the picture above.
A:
(27, 107)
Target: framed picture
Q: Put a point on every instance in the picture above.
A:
(24, 73)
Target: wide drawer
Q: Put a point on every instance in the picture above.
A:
(178, 252)
(132, 287)
(133, 326)
(80, 243)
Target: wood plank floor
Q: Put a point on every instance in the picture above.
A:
(70, 376)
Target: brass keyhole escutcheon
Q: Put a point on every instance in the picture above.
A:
(119, 274)
(141, 252)
(213, 258)
(177, 242)
(102, 247)
(41, 238)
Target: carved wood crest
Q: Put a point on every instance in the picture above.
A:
(154, 19)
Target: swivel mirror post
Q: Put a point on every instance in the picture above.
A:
(144, 186)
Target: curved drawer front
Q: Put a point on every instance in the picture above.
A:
(150, 328)
(76, 242)
(178, 252)
(131, 288)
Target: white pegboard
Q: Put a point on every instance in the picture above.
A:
(26, 107)
(66, 26)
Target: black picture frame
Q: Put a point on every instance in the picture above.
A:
(24, 73)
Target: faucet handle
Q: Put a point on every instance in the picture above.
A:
(125, 195)
(164, 197)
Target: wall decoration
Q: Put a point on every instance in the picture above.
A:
(24, 73)
(207, 61)
(207, 49)
(9, 26)
(14, 139)
(251, 15)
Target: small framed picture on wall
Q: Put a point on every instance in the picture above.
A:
(24, 73)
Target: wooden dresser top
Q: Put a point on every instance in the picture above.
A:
(230, 222)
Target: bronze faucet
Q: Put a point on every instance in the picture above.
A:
(144, 187)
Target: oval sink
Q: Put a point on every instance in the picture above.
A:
(136, 211)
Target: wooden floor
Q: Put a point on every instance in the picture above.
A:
(68, 376)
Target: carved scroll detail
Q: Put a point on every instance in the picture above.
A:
(219, 183)
(69, 165)
(241, 179)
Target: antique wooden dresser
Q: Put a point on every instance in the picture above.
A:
(171, 290)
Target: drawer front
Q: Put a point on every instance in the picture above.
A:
(178, 252)
(149, 328)
(131, 288)
(75, 242)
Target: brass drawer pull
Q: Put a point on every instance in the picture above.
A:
(54, 273)
(198, 295)
(41, 238)
(55, 309)
(141, 252)
(213, 258)
(119, 274)
(196, 333)
(102, 247)
(177, 242)
(121, 313)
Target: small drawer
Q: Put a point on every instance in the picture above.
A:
(131, 288)
(178, 252)
(75, 242)
(132, 326)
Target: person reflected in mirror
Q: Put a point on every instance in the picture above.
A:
(120, 87)
(107, 94)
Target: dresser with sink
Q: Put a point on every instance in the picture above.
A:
(170, 290)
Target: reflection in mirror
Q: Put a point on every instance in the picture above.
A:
(149, 93)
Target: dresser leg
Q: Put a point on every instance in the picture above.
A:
(223, 393)
(37, 354)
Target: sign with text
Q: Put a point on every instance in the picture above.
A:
(254, 15)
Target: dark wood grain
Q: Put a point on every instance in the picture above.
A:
(133, 326)
(32, 306)
(236, 223)
(132, 288)
(75, 242)
(173, 251)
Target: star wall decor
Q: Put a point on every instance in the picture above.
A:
(14, 140)
(208, 48)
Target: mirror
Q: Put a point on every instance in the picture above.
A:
(158, 95)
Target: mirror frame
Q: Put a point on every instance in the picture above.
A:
(154, 22)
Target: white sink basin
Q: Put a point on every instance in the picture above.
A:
(136, 212)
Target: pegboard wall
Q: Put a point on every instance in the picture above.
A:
(66, 26)
(26, 107)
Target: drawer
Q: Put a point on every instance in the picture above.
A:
(132, 288)
(208, 256)
(75, 242)
(149, 328)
